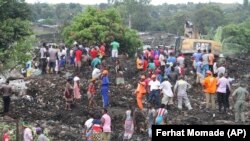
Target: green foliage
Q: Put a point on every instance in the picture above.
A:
(235, 38)
(60, 12)
(95, 26)
(18, 53)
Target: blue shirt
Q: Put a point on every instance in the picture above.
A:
(151, 66)
(199, 67)
(105, 81)
(171, 59)
(197, 56)
(95, 62)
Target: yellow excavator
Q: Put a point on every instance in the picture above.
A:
(191, 42)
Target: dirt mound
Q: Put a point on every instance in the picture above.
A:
(44, 104)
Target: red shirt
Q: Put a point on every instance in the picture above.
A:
(78, 55)
(157, 63)
(6, 137)
(91, 88)
(145, 65)
(102, 50)
(93, 53)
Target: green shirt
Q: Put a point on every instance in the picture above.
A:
(151, 66)
(115, 45)
(240, 94)
(95, 62)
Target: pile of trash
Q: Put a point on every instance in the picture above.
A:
(43, 103)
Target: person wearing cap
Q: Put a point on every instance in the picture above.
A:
(222, 85)
(240, 95)
(6, 89)
(140, 91)
(27, 133)
(41, 136)
(154, 87)
(77, 93)
(5, 136)
(210, 86)
(166, 89)
(105, 88)
(180, 90)
(91, 93)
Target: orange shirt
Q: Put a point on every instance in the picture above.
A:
(211, 58)
(141, 88)
(139, 63)
(210, 84)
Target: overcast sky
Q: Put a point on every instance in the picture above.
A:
(154, 2)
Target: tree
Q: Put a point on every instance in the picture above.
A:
(14, 30)
(208, 17)
(245, 3)
(95, 26)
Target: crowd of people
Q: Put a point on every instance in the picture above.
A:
(162, 80)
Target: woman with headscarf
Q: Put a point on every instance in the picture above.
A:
(77, 94)
(128, 125)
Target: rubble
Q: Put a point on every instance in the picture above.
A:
(43, 103)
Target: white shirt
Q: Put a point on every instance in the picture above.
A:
(154, 85)
(215, 68)
(89, 123)
(166, 88)
(42, 52)
(96, 73)
(27, 135)
(161, 59)
(221, 70)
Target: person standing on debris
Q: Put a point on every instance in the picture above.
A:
(97, 128)
(166, 89)
(196, 57)
(115, 46)
(43, 58)
(27, 133)
(77, 94)
(78, 59)
(5, 136)
(106, 122)
(68, 95)
(7, 92)
(180, 90)
(222, 84)
(41, 136)
(96, 73)
(140, 91)
(96, 61)
(221, 70)
(151, 113)
(181, 62)
(199, 74)
(211, 60)
(205, 58)
(139, 63)
(161, 115)
(145, 63)
(128, 125)
(163, 62)
(119, 73)
(87, 131)
(154, 86)
(210, 86)
(240, 95)
(222, 59)
(105, 88)
(151, 65)
(171, 59)
(173, 75)
(52, 59)
(91, 93)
